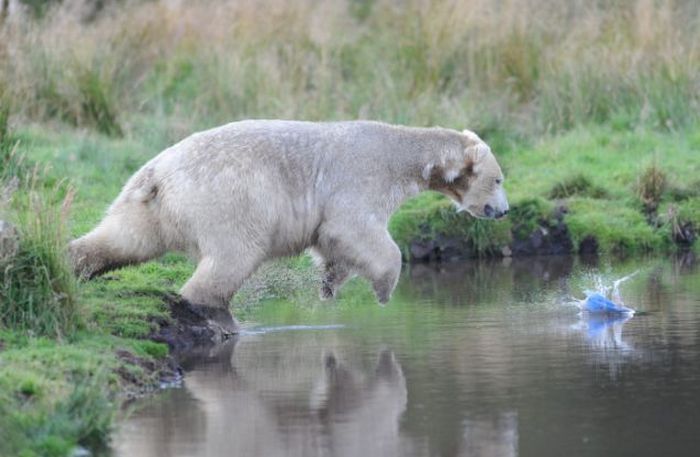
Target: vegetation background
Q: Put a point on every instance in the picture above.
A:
(590, 106)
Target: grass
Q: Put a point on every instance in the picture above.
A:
(618, 229)
(576, 185)
(431, 215)
(55, 395)
(531, 65)
(38, 287)
(595, 172)
(651, 187)
(59, 358)
(588, 105)
(97, 104)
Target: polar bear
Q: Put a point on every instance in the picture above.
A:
(237, 195)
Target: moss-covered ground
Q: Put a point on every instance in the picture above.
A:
(593, 171)
(592, 110)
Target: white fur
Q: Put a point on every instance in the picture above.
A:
(237, 195)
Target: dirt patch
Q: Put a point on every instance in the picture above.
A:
(442, 248)
(588, 246)
(140, 376)
(684, 234)
(550, 237)
(187, 331)
(187, 327)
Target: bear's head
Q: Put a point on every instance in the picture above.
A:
(471, 177)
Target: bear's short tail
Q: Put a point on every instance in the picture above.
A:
(129, 234)
(142, 187)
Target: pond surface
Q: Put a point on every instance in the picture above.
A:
(478, 359)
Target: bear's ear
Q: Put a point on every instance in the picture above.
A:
(474, 154)
(475, 150)
(453, 166)
(472, 137)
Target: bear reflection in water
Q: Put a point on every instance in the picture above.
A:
(258, 400)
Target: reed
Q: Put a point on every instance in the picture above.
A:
(37, 287)
(525, 65)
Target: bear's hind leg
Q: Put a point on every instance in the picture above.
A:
(119, 240)
(213, 284)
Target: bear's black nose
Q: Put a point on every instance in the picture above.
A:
(489, 211)
(500, 214)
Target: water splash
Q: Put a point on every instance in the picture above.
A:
(602, 318)
(605, 299)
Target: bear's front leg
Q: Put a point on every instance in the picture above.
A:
(381, 264)
(369, 249)
(334, 275)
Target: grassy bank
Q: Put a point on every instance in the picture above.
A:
(593, 111)
(628, 190)
(597, 92)
(62, 364)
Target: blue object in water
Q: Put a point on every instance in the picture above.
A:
(596, 303)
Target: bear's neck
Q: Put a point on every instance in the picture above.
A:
(417, 150)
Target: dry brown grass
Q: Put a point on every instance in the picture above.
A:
(534, 64)
(651, 185)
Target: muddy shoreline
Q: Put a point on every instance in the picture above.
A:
(549, 237)
(186, 334)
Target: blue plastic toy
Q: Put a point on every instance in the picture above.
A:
(596, 303)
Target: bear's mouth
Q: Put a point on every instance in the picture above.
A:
(471, 210)
(486, 212)
(492, 213)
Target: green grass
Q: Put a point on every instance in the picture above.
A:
(594, 172)
(431, 214)
(577, 185)
(618, 229)
(38, 288)
(589, 163)
(548, 67)
(56, 395)
(578, 105)
(125, 302)
(61, 346)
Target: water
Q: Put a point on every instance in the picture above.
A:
(483, 359)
